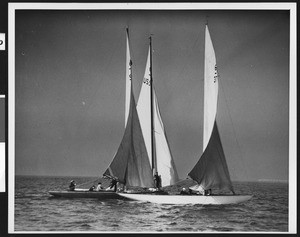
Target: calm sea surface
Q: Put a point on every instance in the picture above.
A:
(36, 210)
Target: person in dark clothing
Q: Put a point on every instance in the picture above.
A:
(72, 185)
(113, 184)
(207, 192)
(92, 188)
(184, 192)
(157, 180)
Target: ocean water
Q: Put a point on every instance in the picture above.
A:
(36, 210)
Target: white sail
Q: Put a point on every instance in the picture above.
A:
(164, 162)
(144, 108)
(211, 170)
(210, 89)
(128, 77)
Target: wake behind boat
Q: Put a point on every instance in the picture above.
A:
(211, 171)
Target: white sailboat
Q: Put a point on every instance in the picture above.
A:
(130, 164)
(211, 171)
(154, 134)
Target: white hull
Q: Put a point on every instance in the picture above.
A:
(188, 199)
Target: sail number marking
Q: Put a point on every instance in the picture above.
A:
(216, 74)
(130, 70)
(147, 81)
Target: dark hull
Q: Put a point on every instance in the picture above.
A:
(85, 194)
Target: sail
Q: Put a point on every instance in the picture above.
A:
(131, 163)
(128, 77)
(211, 170)
(211, 86)
(144, 108)
(164, 162)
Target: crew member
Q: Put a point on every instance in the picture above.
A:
(72, 185)
(99, 187)
(113, 184)
(157, 180)
(92, 188)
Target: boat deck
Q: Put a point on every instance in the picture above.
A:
(85, 194)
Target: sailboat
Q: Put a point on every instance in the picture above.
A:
(130, 165)
(160, 160)
(211, 171)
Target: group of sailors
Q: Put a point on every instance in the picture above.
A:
(189, 191)
(157, 182)
(184, 191)
(111, 187)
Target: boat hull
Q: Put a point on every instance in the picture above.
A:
(85, 194)
(187, 199)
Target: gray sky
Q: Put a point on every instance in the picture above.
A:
(70, 87)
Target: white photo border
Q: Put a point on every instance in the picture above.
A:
(12, 7)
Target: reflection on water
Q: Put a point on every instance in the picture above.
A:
(36, 210)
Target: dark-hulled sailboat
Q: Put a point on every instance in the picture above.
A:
(130, 164)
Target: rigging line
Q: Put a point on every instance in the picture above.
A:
(98, 87)
(235, 136)
(79, 185)
(184, 68)
(105, 68)
(190, 51)
(185, 65)
(96, 91)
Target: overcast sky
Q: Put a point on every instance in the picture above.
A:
(70, 87)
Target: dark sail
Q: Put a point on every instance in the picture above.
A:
(211, 170)
(131, 163)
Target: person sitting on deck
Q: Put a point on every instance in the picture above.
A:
(92, 188)
(194, 192)
(197, 190)
(207, 192)
(72, 185)
(157, 181)
(99, 187)
(184, 192)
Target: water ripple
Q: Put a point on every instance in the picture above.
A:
(35, 210)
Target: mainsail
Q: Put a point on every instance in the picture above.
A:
(131, 163)
(211, 170)
(128, 77)
(162, 161)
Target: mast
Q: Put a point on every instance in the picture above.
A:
(148, 109)
(151, 106)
